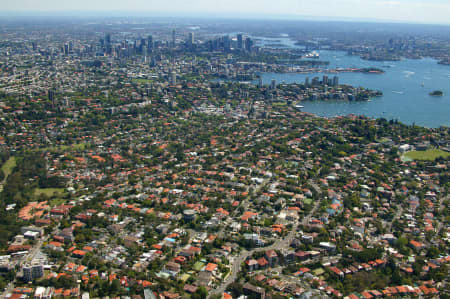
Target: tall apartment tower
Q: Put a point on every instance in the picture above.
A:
(335, 81)
(173, 78)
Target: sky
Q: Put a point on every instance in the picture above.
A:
(410, 11)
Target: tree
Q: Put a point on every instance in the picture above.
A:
(200, 293)
(236, 289)
(65, 282)
(433, 252)
(396, 278)
(2, 283)
(115, 286)
(401, 242)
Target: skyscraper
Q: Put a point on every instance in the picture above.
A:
(173, 38)
(191, 40)
(273, 84)
(239, 41)
(108, 38)
(150, 42)
(108, 47)
(66, 49)
(226, 43)
(248, 44)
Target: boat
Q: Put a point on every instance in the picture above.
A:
(397, 92)
(299, 107)
(312, 54)
(423, 84)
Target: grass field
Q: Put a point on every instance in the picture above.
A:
(48, 191)
(429, 155)
(78, 146)
(307, 201)
(8, 166)
(142, 81)
(57, 202)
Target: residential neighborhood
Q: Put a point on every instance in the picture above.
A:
(122, 178)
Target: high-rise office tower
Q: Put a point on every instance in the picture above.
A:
(143, 46)
(239, 41)
(173, 38)
(150, 42)
(108, 46)
(248, 44)
(226, 43)
(191, 40)
(66, 49)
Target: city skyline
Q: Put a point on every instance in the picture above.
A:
(416, 11)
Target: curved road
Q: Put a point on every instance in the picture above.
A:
(282, 243)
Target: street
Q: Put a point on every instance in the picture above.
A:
(282, 243)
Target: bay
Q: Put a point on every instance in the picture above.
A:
(406, 85)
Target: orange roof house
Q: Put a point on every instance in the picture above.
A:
(211, 267)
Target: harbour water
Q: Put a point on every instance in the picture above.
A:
(405, 85)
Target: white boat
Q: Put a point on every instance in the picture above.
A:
(312, 54)
(397, 92)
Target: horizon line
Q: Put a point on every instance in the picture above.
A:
(204, 15)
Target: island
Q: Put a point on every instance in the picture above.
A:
(371, 70)
(436, 93)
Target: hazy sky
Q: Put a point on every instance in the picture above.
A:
(422, 11)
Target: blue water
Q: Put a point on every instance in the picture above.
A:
(404, 98)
